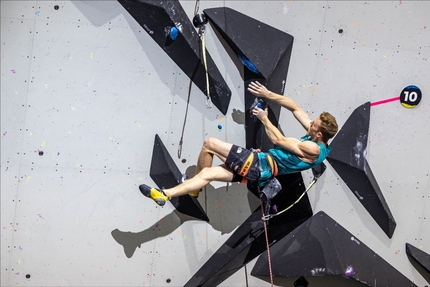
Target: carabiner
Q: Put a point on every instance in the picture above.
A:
(267, 217)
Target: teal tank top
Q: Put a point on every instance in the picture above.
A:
(287, 161)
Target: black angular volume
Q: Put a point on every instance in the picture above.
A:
(166, 174)
(348, 158)
(167, 23)
(321, 247)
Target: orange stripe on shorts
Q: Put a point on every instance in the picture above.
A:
(247, 165)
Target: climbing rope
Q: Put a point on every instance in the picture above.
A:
(267, 241)
(201, 31)
(198, 21)
(265, 218)
(181, 141)
(269, 216)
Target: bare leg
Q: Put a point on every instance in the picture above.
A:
(205, 173)
(211, 147)
(205, 176)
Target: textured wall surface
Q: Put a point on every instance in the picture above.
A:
(84, 89)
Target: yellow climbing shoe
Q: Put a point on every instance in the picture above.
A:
(157, 195)
(195, 193)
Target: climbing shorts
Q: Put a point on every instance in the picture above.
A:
(244, 163)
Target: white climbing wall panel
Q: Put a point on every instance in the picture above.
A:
(84, 90)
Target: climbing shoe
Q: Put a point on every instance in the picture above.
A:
(157, 195)
(195, 193)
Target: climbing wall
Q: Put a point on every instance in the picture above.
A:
(85, 89)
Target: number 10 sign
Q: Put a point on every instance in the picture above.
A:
(410, 96)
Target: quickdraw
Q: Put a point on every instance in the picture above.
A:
(317, 172)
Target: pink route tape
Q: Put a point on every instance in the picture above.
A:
(384, 101)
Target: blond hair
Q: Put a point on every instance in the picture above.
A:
(328, 126)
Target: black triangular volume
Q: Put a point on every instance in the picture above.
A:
(158, 18)
(267, 63)
(348, 158)
(321, 247)
(262, 45)
(166, 174)
(421, 258)
(248, 240)
(366, 189)
(349, 145)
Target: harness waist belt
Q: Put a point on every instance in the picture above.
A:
(273, 165)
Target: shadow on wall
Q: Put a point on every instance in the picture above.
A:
(219, 201)
(130, 241)
(101, 12)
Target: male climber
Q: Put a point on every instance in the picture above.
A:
(241, 165)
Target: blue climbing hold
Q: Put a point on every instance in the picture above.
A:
(174, 33)
(247, 63)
